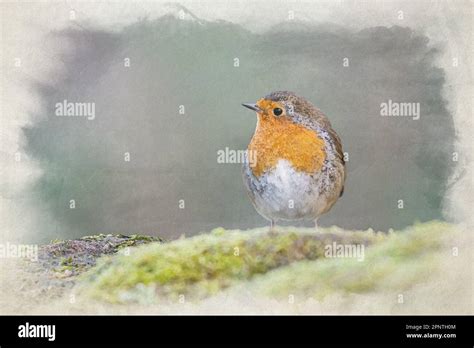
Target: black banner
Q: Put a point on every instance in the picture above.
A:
(224, 330)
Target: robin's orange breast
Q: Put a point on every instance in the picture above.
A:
(276, 139)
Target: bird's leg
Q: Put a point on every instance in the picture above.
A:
(316, 225)
(272, 226)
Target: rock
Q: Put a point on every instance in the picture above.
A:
(60, 262)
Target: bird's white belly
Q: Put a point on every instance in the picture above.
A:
(284, 193)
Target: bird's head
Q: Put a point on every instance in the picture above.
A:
(282, 106)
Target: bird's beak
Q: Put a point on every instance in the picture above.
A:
(253, 107)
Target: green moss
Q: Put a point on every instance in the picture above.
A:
(404, 258)
(205, 264)
(290, 261)
(66, 261)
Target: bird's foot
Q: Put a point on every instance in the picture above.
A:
(316, 228)
(272, 227)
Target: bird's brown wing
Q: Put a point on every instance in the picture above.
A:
(321, 119)
(339, 153)
(337, 145)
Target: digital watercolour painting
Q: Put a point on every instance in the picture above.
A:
(237, 157)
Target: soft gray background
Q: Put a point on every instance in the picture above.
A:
(173, 156)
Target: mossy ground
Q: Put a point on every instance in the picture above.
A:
(254, 271)
(289, 261)
(396, 263)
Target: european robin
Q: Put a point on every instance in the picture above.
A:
(295, 167)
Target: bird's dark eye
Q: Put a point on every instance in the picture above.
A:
(277, 111)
